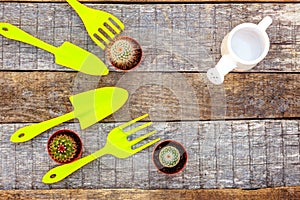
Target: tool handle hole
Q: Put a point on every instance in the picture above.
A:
(53, 176)
(21, 135)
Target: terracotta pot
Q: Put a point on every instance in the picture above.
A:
(169, 157)
(124, 53)
(64, 146)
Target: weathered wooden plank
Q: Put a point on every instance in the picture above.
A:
(174, 37)
(38, 96)
(222, 154)
(132, 194)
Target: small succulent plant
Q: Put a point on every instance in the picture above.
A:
(63, 147)
(124, 53)
(169, 157)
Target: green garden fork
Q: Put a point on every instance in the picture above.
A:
(101, 26)
(117, 144)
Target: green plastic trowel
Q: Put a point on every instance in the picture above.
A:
(89, 108)
(68, 54)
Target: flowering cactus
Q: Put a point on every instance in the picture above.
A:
(63, 148)
(124, 53)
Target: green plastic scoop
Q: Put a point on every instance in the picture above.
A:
(89, 108)
(68, 54)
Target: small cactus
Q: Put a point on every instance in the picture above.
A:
(169, 156)
(63, 148)
(124, 53)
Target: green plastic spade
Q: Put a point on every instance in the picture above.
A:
(68, 54)
(89, 108)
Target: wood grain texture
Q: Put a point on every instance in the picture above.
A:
(135, 194)
(188, 35)
(184, 38)
(221, 154)
(38, 96)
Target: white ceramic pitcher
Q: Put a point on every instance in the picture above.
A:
(242, 48)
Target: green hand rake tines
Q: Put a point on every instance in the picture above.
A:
(101, 26)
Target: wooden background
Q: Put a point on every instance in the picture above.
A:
(243, 134)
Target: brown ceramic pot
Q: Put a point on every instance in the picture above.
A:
(169, 157)
(124, 53)
(64, 146)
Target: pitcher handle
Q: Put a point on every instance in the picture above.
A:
(265, 23)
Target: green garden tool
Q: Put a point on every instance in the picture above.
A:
(68, 54)
(117, 145)
(89, 108)
(101, 26)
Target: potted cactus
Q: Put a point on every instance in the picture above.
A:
(169, 157)
(124, 53)
(64, 146)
